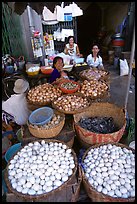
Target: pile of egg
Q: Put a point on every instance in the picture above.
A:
(40, 167)
(110, 169)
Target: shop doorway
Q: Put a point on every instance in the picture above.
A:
(88, 26)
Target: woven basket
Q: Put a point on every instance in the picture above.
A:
(60, 194)
(42, 103)
(105, 77)
(93, 194)
(75, 111)
(47, 133)
(102, 95)
(101, 110)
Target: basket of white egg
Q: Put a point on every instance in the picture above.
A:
(43, 170)
(49, 130)
(108, 173)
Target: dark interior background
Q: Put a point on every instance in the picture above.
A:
(88, 27)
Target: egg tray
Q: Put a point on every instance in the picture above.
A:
(53, 195)
(93, 194)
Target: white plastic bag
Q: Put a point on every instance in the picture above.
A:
(49, 17)
(16, 106)
(124, 68)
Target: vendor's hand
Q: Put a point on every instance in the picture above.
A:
(79, 55)
(63, 74)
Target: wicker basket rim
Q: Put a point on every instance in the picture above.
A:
(86, 180)
(54, 190)
(87, 70)
(98, 104)
(94, 133)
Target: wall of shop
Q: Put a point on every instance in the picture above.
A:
(115, 15)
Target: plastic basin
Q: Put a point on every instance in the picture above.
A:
(41, 116)
(11, 151)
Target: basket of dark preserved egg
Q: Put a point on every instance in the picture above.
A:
(102, 122)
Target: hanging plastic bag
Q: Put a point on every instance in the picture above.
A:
(76, 11)
(49, 17)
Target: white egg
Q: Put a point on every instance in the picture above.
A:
(133, 182)
(111, 193)
(16, 157)
(68, 151)
(64, 178)
(132, 193)
(25, 154)
(42, 182)
(57, 183)
(24, 190)
(12, 172)
(42, 176)
(13, 161)
(49, 183)
(14, 185)
(35, 186)
(49, 188)
(41, 165)
(50, 169)
(123, 190)
(104, 190)
(11, 166)
(72, 166)
(31, 192)
(52, 178)
(28, 184)
(22, 181)
(32, 179)
(58, 176)
(19, 188)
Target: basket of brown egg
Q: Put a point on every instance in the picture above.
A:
(95, 89)
(50, 129)
(43, 94)
(71, 103)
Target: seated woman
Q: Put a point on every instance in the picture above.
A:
(58, 74)
(71, 48)
(94, 60)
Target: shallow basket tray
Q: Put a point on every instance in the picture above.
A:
(41, 132)
(93, 194)
(101, 109)
(46, 196)
(105, 77)
(75, 111)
